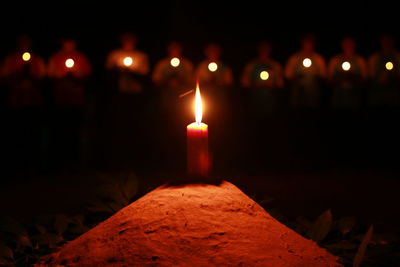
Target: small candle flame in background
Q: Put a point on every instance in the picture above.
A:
(264, 75)
(198, 105)
(389, 65)
(212, 66)
(307, 62)
(26, 56)
(127, 61)
(175, 62)
(346, 66)
(69, 63)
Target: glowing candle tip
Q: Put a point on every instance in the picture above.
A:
(198, 105)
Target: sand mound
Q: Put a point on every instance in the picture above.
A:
(192, 225)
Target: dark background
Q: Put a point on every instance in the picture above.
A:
(237, 25)
(367, 190)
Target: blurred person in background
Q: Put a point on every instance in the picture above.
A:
(263, 77)
(305, 70)
(384, 68)
(347, 73)
(68, 70)
(173, 76)
(212, 72)
(23, 72)
(129, 66)
(127, 106)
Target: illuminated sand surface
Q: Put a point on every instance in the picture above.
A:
(192, 225)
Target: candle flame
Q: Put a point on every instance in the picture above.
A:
(69, 63)
(175, 62)
(198, 105)
(389, 65)
(346, 66)
(264, 75)
(26, 56)
(212, 66)
(128, 61)
(307, 62)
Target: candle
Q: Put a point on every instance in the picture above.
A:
(198, 161)
(346, 66)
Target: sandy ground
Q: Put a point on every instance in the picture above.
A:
(192, 225)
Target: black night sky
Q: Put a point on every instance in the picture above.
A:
(235, 24)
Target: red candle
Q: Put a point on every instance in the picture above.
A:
(198, 160)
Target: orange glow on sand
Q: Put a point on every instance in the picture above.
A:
(264, 75)
(389, 65)
(69, 63)
(346, 66)
(127, 61)
(212, 66)
(26, 56)
(307, 62)
(224, 227)
(175, 62)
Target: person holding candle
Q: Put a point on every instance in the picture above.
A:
(127, 105)
(384, 67)
(212, 72)
(23, 72)
(68, 70)
(305, 70)
(68, 62)
(263, 76)
(347, 72)
(128, 65)
(173, 75)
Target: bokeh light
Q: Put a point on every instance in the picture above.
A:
(389, 65)
(307, 62)
(175, 62)
(26, 56)
(69, 63)
(128, 61)
(264, 75)
(346, 66)
(212, 66)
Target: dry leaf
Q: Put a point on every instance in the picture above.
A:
(363, 247)
(321, 226)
